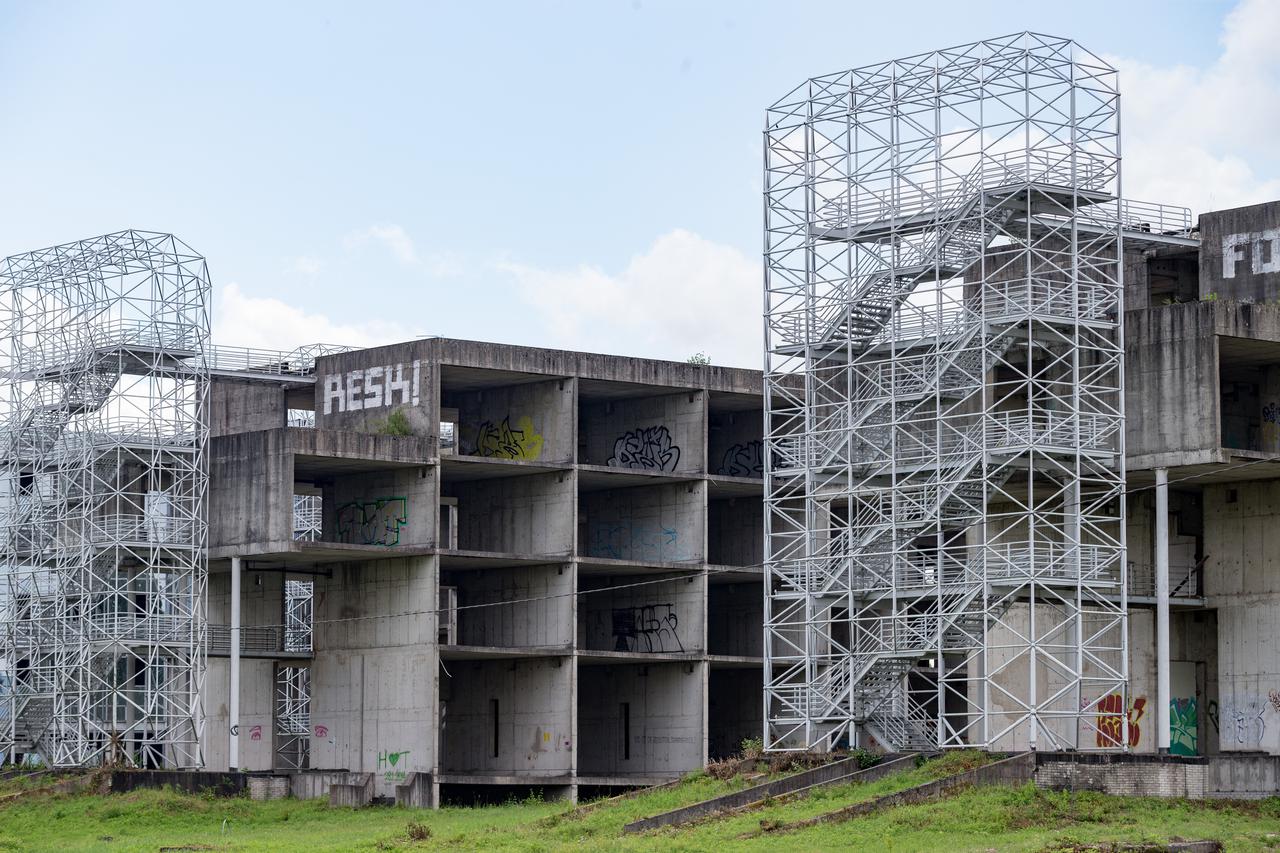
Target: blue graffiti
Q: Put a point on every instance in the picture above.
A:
(630, 541)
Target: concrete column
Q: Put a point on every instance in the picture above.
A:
(1162, 609)
(233, 749)
(1269, 417)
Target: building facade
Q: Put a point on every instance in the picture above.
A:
(491, 566)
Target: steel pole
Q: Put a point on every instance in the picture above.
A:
(1162, 609)
(233, 749)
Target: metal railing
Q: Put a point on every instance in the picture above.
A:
(257, 640)
(1184, 581)
(296, 362)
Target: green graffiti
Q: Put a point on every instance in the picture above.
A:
(1184, 724)
(375, 522)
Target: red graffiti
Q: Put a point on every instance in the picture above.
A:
(255, 733)
(322, 731)
(1111, 726)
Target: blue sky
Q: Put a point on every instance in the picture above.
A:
(567, 174)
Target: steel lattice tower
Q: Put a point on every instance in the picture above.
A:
(103, 486)
(944, 521)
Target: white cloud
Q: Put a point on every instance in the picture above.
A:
(309, 267)
(1205, 137)
(683, 295)
(268, 323)
(393, 237)
(396, 240)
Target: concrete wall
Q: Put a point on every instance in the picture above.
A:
(735, 619)
(257, 692)
(530, 514)
(373, 679)
(667, 616)
(391, 507)
(1011, 666)
(644, 523)
(532, 422)
(666, 718)
(359, 390)
(245, 406)
(534, 716)
(1242, 582)
(1240, 253)
(1171, 386)
(662, 433)
(734, 528)
(735, 707)
(540, 612)
(250, 489)
(734, 446)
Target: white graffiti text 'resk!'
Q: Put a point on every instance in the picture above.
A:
(372, 388)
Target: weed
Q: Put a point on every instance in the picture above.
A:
(417, 831)
(397, 423)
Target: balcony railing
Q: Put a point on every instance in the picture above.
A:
(1184, 581)
(260, 640)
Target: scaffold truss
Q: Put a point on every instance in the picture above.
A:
(103, 487)
(944, 516)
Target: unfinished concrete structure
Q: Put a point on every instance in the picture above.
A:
(531, 568)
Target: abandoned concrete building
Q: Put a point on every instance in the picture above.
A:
(545, 572)
(1010, 480)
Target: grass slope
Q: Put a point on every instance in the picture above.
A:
(1018, 819)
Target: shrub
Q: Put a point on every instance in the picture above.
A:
(397, 423)
(418, 831)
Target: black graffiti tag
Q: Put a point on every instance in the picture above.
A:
(743, 460)
(648, 447)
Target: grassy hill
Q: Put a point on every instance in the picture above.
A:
(978, 819)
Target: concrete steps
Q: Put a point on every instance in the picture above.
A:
(1017, 770)
(837, 772)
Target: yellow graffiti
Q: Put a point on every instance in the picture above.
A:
(502, 441)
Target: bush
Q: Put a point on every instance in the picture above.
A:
(418, 831)
(752, 748)
(397, 423)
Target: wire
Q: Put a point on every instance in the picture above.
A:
(667, 579)
(710, 570)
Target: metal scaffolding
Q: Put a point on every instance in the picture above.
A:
(944, 521)
(103, 487)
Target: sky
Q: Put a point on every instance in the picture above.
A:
(584, 175)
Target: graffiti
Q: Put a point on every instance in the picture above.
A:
(1233, 246)
(1184, 726)
(1211, 711)
(654, 624)
(1111, 726)
(388, 765)
(1245, 724)
(650, 448)
(1271, 413)
(1273, 696)
(743, 460)
(372, 388)
(501, 441)
(375, 522)
(255, 733)
(629, 541)
(322, 731)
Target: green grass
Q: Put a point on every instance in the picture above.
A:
(1016, 819)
